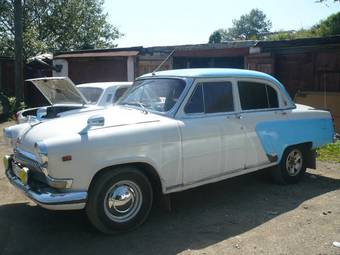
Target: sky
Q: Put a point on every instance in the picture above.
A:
(159, 23)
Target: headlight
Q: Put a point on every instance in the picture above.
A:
(41, 153)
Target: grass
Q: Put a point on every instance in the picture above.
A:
(330, 152)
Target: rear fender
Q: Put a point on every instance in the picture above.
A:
(276, 136)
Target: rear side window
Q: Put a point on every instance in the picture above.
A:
(211, 97)
(254, 95)
(273, 101)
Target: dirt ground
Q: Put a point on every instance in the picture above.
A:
(243, 215)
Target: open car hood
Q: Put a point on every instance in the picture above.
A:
(59, 90)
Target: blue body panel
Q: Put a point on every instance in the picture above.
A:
(276, 136)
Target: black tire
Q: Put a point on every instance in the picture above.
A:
(123, 183)
(283, 173)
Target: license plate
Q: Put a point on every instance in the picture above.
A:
(20, 172)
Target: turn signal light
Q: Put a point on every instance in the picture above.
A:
(67, 158)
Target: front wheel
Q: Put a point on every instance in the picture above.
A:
(119, 200)
(292, 166)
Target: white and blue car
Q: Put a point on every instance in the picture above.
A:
(172, 131)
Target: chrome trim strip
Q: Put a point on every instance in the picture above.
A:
(268, 109)
(59, 183)
(47, 196)
(50, 181)
(25, 160)
(224, 174)
(27, 154)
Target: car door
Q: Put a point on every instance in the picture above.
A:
(211, 134)
(260, 101)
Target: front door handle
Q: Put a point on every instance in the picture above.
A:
(238, 116)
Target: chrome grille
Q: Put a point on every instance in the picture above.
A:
(26, 161)
(36, 173)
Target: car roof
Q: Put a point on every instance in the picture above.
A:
(104, 85)
(219, 73)
(211, 73)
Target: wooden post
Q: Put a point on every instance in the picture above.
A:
(18, 48)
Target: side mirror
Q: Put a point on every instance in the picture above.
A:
(95, 121)
(41, 112)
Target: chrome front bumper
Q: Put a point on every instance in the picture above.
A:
(47, 197)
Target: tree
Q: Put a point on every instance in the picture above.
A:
(57, 25)
(220, 35)
(291, 35)
(329, 26)
(215, 37)
(251, 26)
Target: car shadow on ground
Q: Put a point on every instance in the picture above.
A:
(200, 217)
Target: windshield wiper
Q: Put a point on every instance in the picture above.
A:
(144, 110)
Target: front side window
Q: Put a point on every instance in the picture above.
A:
(211, 97)
(159, 94)
(195, 103)
(254, 95)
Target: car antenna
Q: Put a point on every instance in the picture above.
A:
(163, 62)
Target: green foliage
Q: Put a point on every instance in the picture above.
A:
(9, 106)
(15, 106)
(330, 152)
(220, 35)
(215, 37)
(256, 26)
(253, 25)
(302, 33)
(329, 26)
(250, 26)
(57, 25)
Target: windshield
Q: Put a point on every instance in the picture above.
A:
(91, 94)
(154, 94)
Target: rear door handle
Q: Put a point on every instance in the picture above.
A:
(238, 116)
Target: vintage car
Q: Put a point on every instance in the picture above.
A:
(66, 98)
(173, 130)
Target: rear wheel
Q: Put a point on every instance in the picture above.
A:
(292, 166)
(119, 200)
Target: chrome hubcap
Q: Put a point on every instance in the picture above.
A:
(123, 201)
(294, 162)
